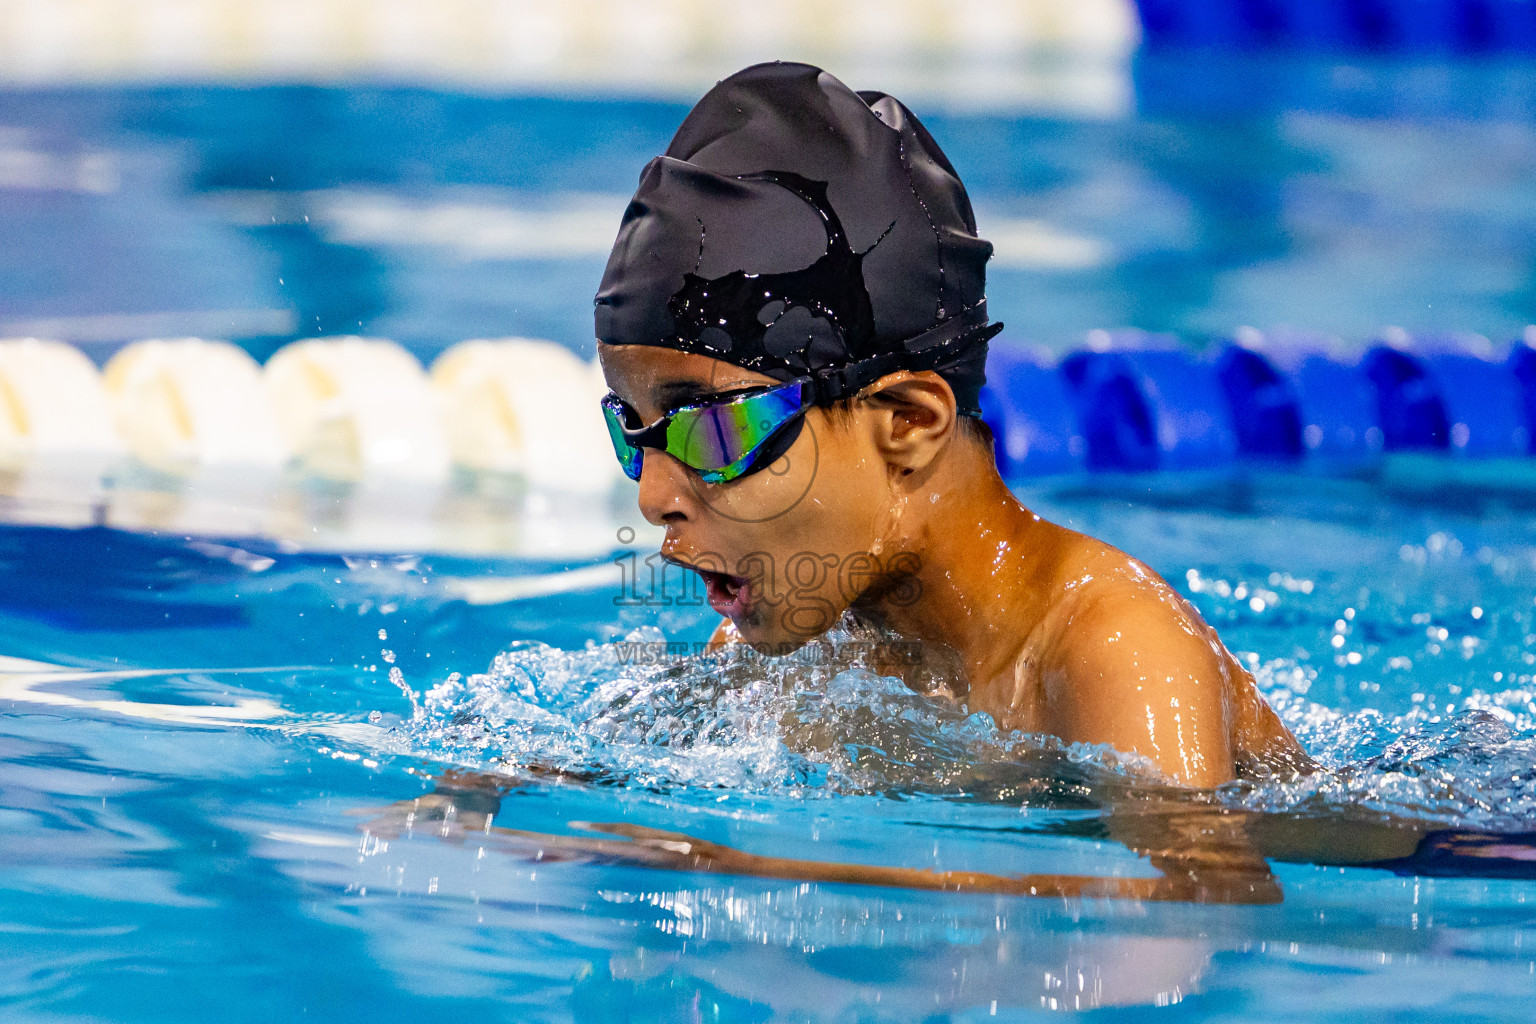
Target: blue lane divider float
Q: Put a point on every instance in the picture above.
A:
(1341, 423)
(1265, 404)
(1137, 403)
(1026, 404)
(1438, 400)
(1290, 401)
(1522, 363)
(1149, 407)
(1409, 26)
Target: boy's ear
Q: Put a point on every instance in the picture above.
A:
(915, 417)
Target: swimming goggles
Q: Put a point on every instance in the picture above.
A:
(721, 440)
(734, 435)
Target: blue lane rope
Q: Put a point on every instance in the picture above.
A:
(1148, 404)
(1397, 26)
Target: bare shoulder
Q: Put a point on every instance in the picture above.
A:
(1122, 658)
(1112, 612)
(724, 634)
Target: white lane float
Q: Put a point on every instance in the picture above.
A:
(197, 413)
(359, 413)
(351, 409)
(342, 442)
(56, 434)
(51, 404)
(517, 406)
(185, 403)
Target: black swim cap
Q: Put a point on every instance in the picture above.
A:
(797, 228)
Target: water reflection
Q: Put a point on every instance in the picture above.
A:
(1019, 968)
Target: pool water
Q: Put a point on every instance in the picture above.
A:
(1332, 194)
(205, 740)
(198, 738)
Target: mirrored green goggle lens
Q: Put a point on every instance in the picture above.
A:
(629, 455)
(722, 441)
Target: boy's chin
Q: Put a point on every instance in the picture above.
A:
(765, 630)
(770, 641)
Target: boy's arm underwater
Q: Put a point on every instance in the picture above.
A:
(1216, 867)
(1202, 853)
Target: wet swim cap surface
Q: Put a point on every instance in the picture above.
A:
(795, 227)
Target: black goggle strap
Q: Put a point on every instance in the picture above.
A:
(649, 435)
(920, 352)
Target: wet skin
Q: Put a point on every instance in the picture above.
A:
(1054, 632)
(1202, 852)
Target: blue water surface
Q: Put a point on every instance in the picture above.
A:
(197, 734)
(193, 758)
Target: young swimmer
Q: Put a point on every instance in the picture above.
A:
(794, 328)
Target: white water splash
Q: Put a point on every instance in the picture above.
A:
(819, 722)
(1472, 768)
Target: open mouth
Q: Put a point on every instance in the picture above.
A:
(728, 595)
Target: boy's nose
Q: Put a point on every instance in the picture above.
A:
(664, 488)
